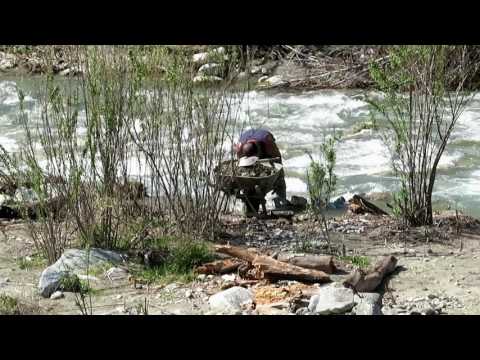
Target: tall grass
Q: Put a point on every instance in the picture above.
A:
(134, 114)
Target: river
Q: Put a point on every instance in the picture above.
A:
(299, 122)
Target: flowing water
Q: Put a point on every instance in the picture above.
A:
(299, 122)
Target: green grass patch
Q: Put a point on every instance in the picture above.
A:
(31, 262)
(359, 261)
(73, 283)
(12, 306)
(183, 257)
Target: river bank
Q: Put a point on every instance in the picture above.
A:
(436, 276)
(265, 67)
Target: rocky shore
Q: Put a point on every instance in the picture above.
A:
(265, 67)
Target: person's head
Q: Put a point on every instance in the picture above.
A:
(249, 149)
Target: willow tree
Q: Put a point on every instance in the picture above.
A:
(425, 88)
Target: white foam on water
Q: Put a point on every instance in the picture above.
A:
(468, 126)
(449, 159)
(295, 185)
(362, 157)
(9, 94)
(8, 143)
(306, 111)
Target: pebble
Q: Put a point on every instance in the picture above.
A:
(171, 287)
(188, 294)
(57, 295)
(201, 277)
(210, 277)
(118, 297)
(228, 277)
(432, 296)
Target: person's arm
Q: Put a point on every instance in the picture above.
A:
(237, 148)
(270, 147)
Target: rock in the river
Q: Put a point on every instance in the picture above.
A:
(368, 304)
(273, 81)
(230, 300)
(212, 69)
(76, 262)
(57, 295)
(332, 299)
(204, 57)
(24, 195)
(7, 61)
(206, 79)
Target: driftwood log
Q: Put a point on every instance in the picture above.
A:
(268, 268)
(316, 262)
(368, 281)
(359, 205)
(220, 267)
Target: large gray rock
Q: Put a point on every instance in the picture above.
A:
(332, 299)
(230, 300)
(368, 304)
(76, 262)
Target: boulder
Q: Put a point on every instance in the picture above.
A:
(230, 300)
(76, 262)
(368, 304)
(332, 299)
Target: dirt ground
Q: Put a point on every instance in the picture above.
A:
(441, 265)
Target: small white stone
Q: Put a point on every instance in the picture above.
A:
(188, 294)
(201, 277)
(228, 277)
(210, 277)
(57, 295)
(118, 297)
